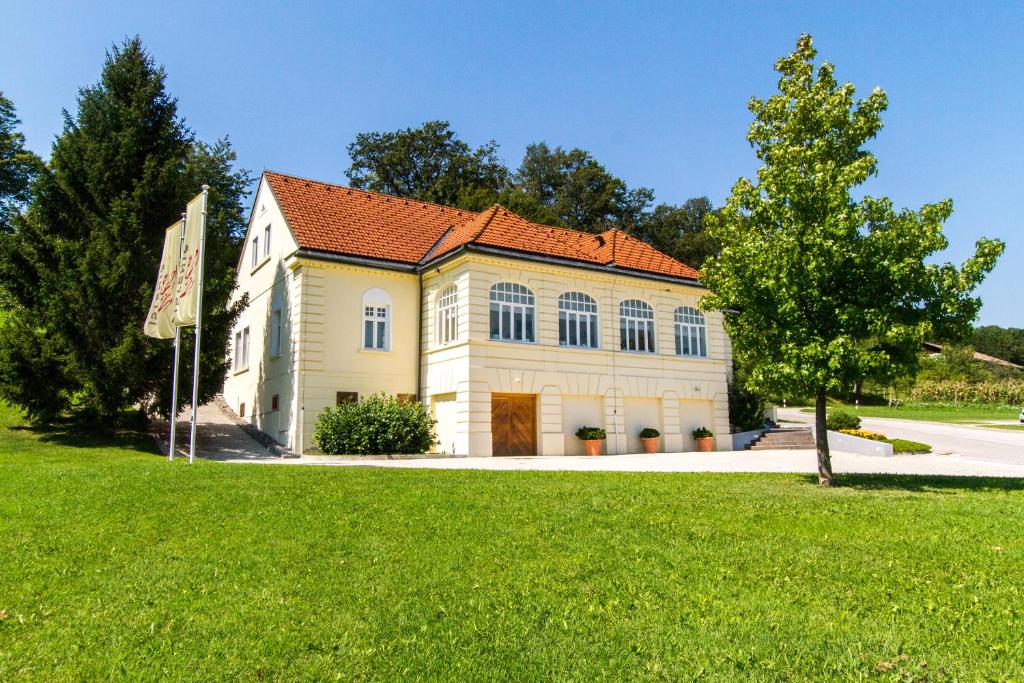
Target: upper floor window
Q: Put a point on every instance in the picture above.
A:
(636, 326)
(691, 332)
(577, 320)
(276, 323)
(448, 315)
(255, 250)
(377, 320)
(266, 241)
(513, 314)
(241, 360)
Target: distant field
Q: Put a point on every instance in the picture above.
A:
(932, 412)
(118, 565)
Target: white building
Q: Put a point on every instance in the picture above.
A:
(514, 334)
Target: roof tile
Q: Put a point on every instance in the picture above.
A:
(341, 220)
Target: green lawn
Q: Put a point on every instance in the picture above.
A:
(932, 412)
(1018, 427)
(119, 565)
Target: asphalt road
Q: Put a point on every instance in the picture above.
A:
(1003, 446)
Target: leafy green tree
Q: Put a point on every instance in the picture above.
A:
(679, 231)
(81, 266)
(18, 166)
(1006, 343)
(429, 163)
(821, 289)
(580, 192)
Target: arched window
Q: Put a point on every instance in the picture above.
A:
(448, 315)
(691, 332)
(512, 312)
(577, 320)
(636, 326)
(377, 320)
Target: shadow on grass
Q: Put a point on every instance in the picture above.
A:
(922, 483)
(73, 435)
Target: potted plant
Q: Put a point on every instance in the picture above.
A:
(704, 438)
(591, 438)
(649, 438)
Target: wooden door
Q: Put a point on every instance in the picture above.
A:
(514, 424)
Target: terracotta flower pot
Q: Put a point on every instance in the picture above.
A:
(705, 444)
(650, 444)
(592, 446)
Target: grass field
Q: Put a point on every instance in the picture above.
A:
(119, 565)
(932, 412)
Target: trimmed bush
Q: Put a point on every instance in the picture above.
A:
(377, 425)
(701, 432)
(838, 421)
(649, 433)
(590, 433)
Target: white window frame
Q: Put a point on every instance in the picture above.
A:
(255, 251)
(241, 360)
(266, 241)
(636, 326)
(513, 313)
(275, 332)
(691, 328)
(376, 319)
(577, 320)
(448, 315)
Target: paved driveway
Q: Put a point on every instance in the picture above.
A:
(220, 438)
(1002, 446)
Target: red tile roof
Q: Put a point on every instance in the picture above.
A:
(339, 220)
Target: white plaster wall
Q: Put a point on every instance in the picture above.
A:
(693, 414)
(476, 367)
(641, 413)
(580, 411)
(445, 410)
(267, 284)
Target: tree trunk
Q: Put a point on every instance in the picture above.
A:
(821, 434)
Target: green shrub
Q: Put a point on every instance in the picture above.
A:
(701, 432)
(905, 446)
(377, 425)
(590, 433)
(838, 420)
(649, 433)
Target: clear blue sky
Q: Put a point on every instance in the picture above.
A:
(657, 92)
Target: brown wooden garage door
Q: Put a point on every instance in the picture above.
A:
(514, 424)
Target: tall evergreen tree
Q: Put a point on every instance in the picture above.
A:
(81, 265)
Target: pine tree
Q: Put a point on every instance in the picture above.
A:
(81, 266)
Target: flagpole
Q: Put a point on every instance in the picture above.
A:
(199, 324)
(177, 356)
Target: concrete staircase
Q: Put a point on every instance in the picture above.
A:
(783, 439)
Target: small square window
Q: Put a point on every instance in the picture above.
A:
(346, 397)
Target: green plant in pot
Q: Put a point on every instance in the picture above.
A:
(705, 439)
(649, 437)
(591, 438)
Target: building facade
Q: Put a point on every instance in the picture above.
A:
(512, 333)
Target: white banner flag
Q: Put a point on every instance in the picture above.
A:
(160, 320)
(188, 273)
